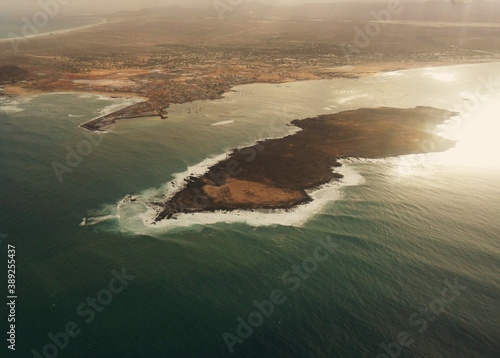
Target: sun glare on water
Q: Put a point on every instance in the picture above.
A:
(477, 137)
(478, 144)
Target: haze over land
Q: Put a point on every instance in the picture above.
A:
(208, 155)
(96, 5)
(100, 7)
(176, 54)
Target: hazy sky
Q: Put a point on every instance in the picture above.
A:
(107, 6)
(118, 5)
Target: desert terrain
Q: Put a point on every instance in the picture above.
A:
(177, 55)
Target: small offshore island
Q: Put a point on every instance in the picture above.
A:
(277, 173)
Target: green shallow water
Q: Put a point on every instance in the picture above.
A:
(406, 228)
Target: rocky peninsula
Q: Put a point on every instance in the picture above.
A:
(278, 173)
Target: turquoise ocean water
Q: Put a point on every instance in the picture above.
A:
(410, 246)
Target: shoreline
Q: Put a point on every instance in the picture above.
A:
(102, 21)
(294, 216)
(361, 70)
(26, 95)
(147, 108)
(19, 91)
(279, 174)
(32, 94)
(367, 70)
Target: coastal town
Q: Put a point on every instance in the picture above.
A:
(177, 74)
(250, 178)
(172, 67)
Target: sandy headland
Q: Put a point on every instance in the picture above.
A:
(278, 173)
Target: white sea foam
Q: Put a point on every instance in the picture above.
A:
(223, 123)
(344, 100)
(117, 103)
(138, 216)
(85, 95)
(11, 109)
(97, 220)
(123, 103)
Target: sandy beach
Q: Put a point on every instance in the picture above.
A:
(28, 92)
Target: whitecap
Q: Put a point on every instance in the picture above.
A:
(89, 221)
(86, 95)
(223, 123)
(344, 100)
(122, 103)
(139, 216)
(11, 109)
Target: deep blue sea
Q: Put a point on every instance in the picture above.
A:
(401, 259)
